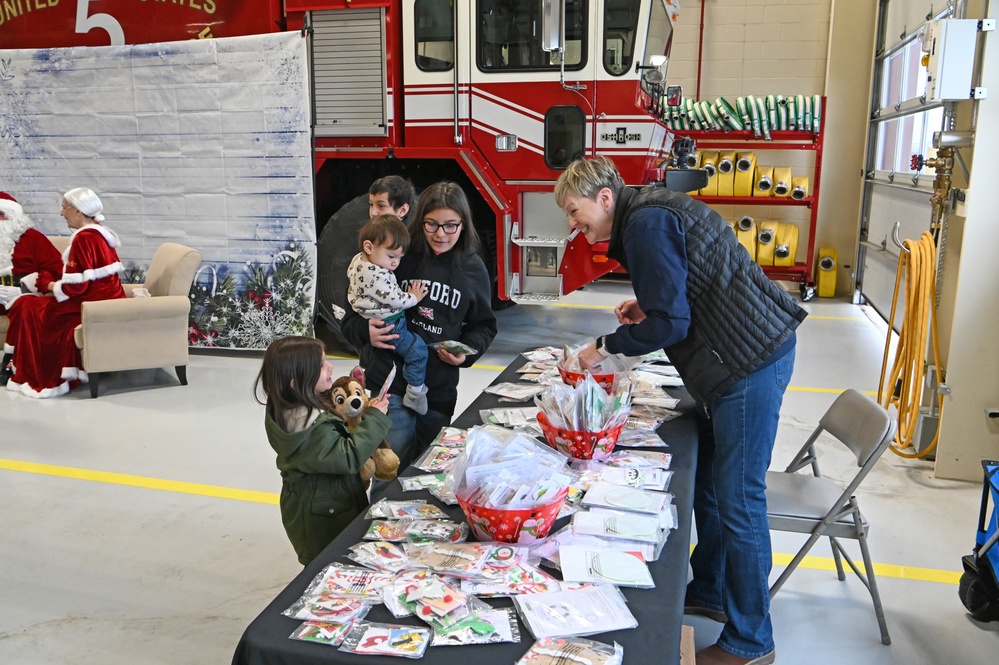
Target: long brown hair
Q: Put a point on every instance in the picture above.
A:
(440, 195)
(291, 369)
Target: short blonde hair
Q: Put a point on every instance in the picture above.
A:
(586, 177)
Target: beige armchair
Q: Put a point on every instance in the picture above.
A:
(139, 333)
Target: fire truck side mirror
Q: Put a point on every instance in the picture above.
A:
(552, 17)
(674, 95)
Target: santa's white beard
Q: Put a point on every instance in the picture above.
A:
(10, 232)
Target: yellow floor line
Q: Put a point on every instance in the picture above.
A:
(912, 573)
(140, 481)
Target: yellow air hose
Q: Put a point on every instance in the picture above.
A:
(919, 266)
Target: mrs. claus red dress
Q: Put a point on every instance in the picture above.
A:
(46, 360)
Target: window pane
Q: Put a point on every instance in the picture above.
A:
(887, 145)
(890, 91)
(434, 35)
(509, 36)
(565, 135)
(620, 23)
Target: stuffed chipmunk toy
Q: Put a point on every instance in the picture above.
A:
(349, 401)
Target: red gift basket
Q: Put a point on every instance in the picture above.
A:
(580, 445)
(606, 381)
(512, 526)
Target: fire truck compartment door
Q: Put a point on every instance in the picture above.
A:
(348, 67)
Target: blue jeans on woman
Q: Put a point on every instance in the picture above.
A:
(409, 435)
(732, 559)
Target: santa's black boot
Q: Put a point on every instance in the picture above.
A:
(6, 371)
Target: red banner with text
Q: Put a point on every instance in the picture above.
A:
(58, 23)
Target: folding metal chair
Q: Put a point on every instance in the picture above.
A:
(803, 503)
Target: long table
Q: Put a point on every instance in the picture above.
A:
(659, 611)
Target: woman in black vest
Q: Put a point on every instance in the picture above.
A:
(729, 331)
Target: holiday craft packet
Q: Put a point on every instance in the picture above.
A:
(604, 564)
(384, 639)
(589, 472)
(416, 509)
(322, 632)
(566, 651)
(585, 611)
(339, 593)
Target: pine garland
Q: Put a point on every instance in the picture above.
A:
(275, 301)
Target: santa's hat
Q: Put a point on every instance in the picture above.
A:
(9, 206)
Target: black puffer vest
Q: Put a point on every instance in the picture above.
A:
(739, 318)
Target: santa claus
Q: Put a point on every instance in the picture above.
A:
(28, 260)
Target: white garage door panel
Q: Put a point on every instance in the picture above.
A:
(889, 205)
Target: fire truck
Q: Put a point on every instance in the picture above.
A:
(498, 96)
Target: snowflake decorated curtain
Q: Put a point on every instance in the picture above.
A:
(204, 142)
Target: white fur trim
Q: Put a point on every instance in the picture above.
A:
(31, 282)
(110, 236)
(7, 348)
(12, 209)
(92, 274)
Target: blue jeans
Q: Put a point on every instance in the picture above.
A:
(413, 351)
(409, 435)
(732, 559)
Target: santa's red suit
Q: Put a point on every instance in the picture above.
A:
(24, 251)
(46, 360)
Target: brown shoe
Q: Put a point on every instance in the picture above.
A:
(715, 655)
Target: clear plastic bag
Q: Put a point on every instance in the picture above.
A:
(559, 651)
(385, 639)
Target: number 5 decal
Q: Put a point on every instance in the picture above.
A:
(105, 22)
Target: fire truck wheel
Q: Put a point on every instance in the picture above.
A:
(336, 247)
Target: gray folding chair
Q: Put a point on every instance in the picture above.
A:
(803, 503)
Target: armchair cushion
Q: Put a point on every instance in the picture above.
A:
(137, 333)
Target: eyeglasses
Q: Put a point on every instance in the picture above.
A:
(450, 228)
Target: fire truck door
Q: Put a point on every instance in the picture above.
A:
(522, 120)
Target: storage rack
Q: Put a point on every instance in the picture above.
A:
(802, 271)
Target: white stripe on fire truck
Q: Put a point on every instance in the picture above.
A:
(521, 143)
(479, 92)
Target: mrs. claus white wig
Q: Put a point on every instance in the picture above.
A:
(86, 201)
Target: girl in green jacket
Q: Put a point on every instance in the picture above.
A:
(318, 457)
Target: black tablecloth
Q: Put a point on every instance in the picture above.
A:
(659, 611)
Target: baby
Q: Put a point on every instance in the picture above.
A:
(374, 293)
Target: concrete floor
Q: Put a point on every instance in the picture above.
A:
(142, 527)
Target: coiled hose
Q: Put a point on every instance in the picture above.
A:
(905, 381)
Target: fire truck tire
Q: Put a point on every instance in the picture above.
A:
(336, 247)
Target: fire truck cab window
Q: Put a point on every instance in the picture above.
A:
(434, 35)
(509, 36)
(620, 24)
(565, 135)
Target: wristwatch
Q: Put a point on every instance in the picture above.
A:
(601, 348)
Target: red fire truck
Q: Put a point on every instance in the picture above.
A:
(496, 95)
